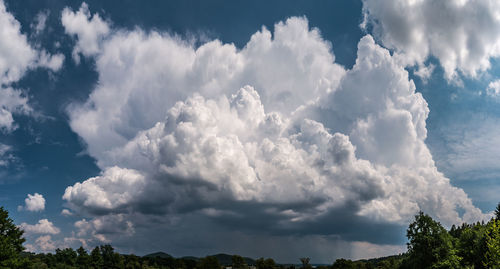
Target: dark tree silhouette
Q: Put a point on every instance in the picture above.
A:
(238, 262)
(265, 263)
(11, 241)
(83, 260)
(209, 262)
(305, 262)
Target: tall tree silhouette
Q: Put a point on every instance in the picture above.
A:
(11, 241)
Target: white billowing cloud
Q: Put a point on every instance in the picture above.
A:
(462, 35)
(97, 229)
(493, 88)
(16, 57)
(34, 202)
(386, 122)
(276, 128)
(154, 60)
(94, 192)
(89, 29)
(43, 243)
(43, 226)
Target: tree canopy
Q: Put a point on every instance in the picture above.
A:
(11, 241)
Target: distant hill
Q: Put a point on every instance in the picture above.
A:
(224, 259)
(158, 254)
(192, 258)
(375, 261)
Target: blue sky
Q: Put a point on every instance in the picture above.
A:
(196, 127)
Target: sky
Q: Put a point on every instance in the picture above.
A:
(276, 129)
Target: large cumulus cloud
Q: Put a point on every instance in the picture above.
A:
(462, 35)
(273, 136)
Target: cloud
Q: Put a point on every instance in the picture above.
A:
(17, 56)
(493, 88)
(272, 137)
(42, 244)
(40, 21)
(33, 203)
(98, 229)
(65, 212)
(43, 226)
(471, 148)
(462, 35)
(6, 158)
(89, 29)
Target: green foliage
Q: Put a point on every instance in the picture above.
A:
(492, 238)
(96, 258)
(343, 264)
(430, 245)
(471, 244)
(238, 262)
(209, 262)
(11, 242)
(265, 263)
(66, 256)
(83, 259)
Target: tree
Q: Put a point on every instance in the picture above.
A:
(430, 245)
(83, 260)
(305, 263)
(110, 258)
(96, 258)
(11, 241)
(343, 264)
(471, 244)
(66, 256)
(265, 263)
(492, 255)
(238, 262)
(209, 262)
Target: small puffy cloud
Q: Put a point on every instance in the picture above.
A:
(40, 21)
(462, 35)
(88, 29)
(43, 226)
(65, 212)
(493, 88)
(6, 157)
(272, 137)
(34, 202)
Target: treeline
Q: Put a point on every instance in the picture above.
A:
(105, 257)
(430, 245)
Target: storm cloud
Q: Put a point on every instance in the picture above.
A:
(274, 138)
